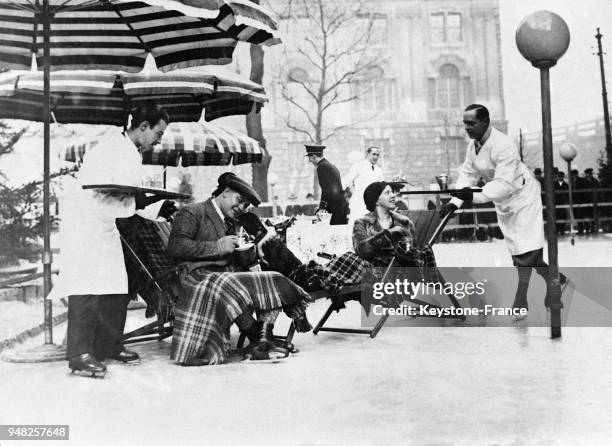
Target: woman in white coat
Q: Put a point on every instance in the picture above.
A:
(513, 190)
(92, 269)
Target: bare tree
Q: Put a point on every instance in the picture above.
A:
(334, 45)
(329, 49)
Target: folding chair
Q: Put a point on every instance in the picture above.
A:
(428, 227)
(160, 293)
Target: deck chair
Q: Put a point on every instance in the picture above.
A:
(144, 243)
(428, 225)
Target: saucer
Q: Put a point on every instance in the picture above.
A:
(244, 247)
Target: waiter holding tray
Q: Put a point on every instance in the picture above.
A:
(92, 269)
(514, 191)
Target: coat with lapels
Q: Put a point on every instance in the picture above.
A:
(194, 238)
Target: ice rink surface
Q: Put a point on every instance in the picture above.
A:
(409, 386)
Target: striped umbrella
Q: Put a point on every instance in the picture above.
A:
(118, 34)
(195, 143)
(107, 34)
(102, 97)
(242, 19)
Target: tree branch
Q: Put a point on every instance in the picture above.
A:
(302, 108)
(309, 58)
(299, 130)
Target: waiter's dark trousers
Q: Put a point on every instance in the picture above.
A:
(524, 264)
(95, 324)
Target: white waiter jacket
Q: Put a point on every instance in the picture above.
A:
(91, 255)
(511, 187)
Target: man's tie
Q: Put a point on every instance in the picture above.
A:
(230, 228)
(372, 167)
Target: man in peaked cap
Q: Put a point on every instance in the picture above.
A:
(218, 290)
(332, 192)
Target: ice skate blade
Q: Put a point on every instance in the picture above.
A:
(273, 358)
(518, 318)
(86, 374)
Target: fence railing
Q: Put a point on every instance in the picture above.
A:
(589, 205)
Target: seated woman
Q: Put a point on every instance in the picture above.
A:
(216, 289)
(384, 236)
(376, 234)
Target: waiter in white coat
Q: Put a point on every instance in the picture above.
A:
(513, 190)
(92, 269)
(360, 176)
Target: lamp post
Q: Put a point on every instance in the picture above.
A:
(568, 152)
(542, 38)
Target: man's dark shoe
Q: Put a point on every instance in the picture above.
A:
(261, 344)
(127, 356)
(87, 365)
(265, 352)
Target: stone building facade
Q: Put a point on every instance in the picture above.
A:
(437, 57)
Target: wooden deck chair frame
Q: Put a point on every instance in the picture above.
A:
(427, 231)
(163, 327)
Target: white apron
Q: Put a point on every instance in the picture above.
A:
(91, 256)
(510, 186)
(359, 177)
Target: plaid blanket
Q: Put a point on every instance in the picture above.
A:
(142, 237)
(346, 269)
(211, 301)
(350, 269)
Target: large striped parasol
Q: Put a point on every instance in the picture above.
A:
(103, 97)
(118, 34)
(242, 19)
(193, 143)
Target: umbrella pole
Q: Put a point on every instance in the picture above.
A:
(46, 186)
(48, 351)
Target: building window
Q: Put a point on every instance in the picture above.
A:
(445, 27)
(447, 90)
(378, 34)
(375, 92)
(373, 26)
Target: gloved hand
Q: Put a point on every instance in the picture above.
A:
(464, 194)
(447, 209)
(398, 232)
(167, 210)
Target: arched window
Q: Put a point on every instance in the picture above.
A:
(375, 92)
(448, 87)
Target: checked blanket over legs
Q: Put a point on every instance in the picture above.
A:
(211, 301)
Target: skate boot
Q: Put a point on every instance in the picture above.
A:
(87, 365)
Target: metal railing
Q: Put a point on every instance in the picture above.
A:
(593, 206)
